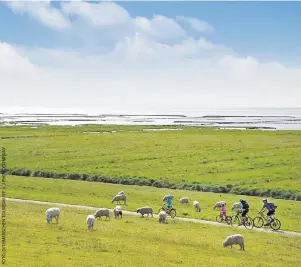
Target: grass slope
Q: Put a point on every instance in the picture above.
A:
(134, 242)
(100, 195)
(245, 162)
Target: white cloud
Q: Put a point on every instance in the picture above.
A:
(42, 12)
(196, 24)
(142, 71)
(159, 27)
(102, 14)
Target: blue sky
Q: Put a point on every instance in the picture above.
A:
(151, 56)
(267, 30)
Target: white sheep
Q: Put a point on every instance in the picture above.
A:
(236, 206)
(184, 200)
(90, 221)
(166, 197)
(197, 206)
(162, 216)
(118, 198)
(236, 239)
(145, 210)
(52, 213)
(121, 193)
(102, 212)
(219, 204)
(117, 212)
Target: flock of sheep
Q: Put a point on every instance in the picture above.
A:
(236, 239)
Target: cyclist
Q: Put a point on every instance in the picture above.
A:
(223, 211)
(169, 203)
(271, 210)
(245, 208)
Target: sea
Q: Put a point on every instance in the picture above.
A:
(223, 118)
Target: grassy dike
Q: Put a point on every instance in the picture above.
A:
(100, 195)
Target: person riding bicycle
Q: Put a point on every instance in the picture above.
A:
(223, 211)
(271, 207)
(245, 208)
(169, 203)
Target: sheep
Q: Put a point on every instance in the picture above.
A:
(102, 212)
(162, 217)
(236, 206)
(145, 210)
(117, 212)
(166, 197)
(197, 206)
(236, 239)
(118, 198)
(219, 204)
(52, 213)
(121, 193)
(184, 200)
(90, 221)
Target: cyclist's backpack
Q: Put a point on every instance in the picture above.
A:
(245, 204)
(273, 205)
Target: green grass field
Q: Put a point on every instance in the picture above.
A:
(248, 162)
(132, 241)
(98, 194)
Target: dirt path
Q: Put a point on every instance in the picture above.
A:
(155, 216)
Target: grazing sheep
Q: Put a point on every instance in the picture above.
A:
(117, 212)
(90, 221)
(197, 206)
(235, 240)
(162, 217)
(145, 210)
(118, 198)
(166, 197)
(52, 213)
(118, 207)
(184, 200)
(219, 204)
(236, 206)
(102, 212)
(121, 193)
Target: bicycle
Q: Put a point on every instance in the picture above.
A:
(247, 221)
(169, 211)
(226, 219)
(259, 221)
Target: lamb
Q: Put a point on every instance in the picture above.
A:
(197, 206)
(121, 193)
(162, 217)
(184, 200)
(236, 239)
(102, 212)
(145, 210)
(117, 212)
(52, 213)
(166, 197)
(219, 204)
(90, 221)
(118, 198)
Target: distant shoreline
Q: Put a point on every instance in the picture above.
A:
(239, 120)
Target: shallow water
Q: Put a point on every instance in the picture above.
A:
(264, 118)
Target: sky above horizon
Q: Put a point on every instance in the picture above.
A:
(150, 56)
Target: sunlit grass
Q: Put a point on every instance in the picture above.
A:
(222, 160)
(100, 195)
(134, 242)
